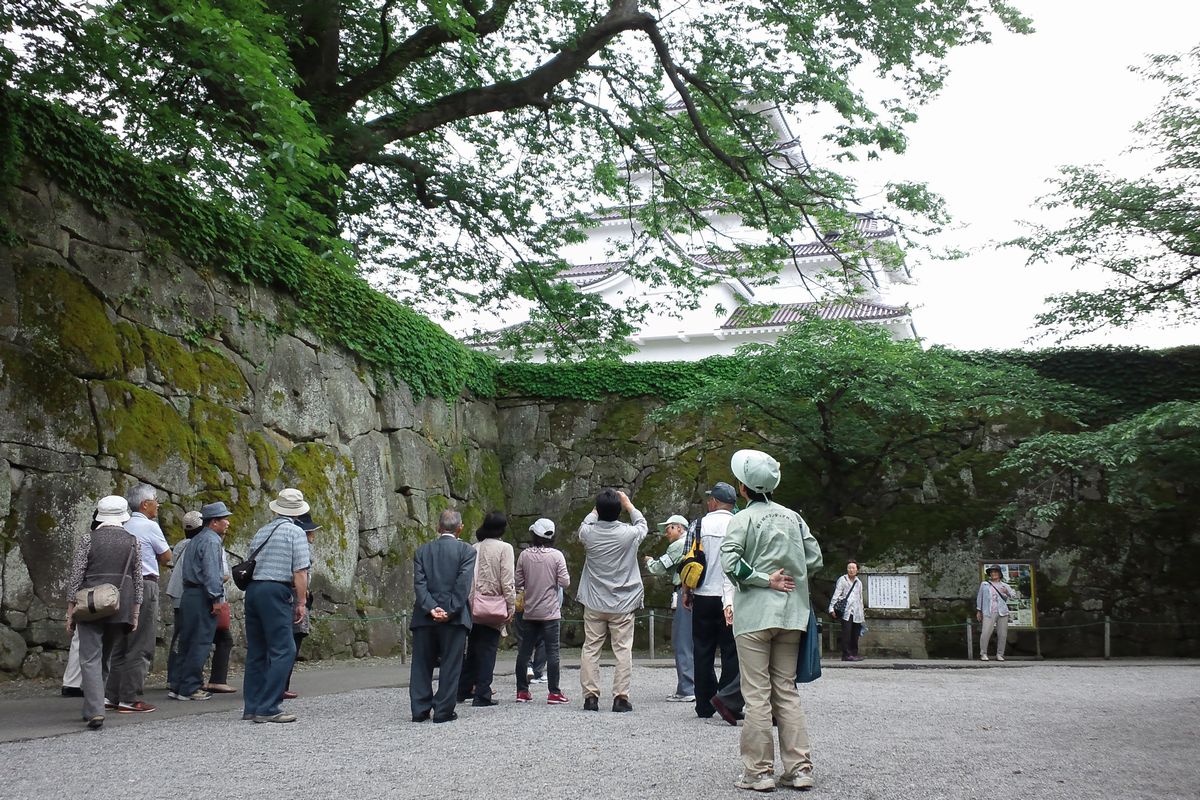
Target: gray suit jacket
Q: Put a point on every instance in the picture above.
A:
(443, 574)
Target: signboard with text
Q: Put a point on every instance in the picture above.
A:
(887, 591)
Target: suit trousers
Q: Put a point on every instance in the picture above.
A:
(710, 634)
(849, 638)
(619, 629)
(479, 666)
(270, 648)
(681, 643)
(196, 628)
(96, 643)
(444, 643)
(768, 671)
(133, 653)
(998, 623)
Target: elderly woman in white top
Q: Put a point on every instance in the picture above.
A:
(991, 608)
(849, 588)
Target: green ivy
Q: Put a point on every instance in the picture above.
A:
(594, 380)
(396, 342)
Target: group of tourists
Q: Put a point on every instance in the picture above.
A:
(113, 648)
(743, 580)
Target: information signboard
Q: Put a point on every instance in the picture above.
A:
(887, 591)
(1019, 575)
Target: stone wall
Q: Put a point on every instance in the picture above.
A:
(121, 362)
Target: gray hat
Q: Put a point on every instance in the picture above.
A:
(993, 568)
(756, 470)
(543, 528)
(192, 520)
(217, 510)
(674, 519)
(112, 510)
(289, 503)
(723, 492)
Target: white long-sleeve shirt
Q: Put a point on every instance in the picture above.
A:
(854, 603)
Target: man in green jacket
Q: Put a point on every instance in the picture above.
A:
(769, 554)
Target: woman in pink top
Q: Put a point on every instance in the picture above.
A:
(542, 575)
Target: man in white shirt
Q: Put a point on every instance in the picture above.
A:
(133, 653)
(710, 630)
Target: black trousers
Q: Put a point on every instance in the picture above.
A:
(710, 634)
(480, 665)
(849, 638)
(432, 644)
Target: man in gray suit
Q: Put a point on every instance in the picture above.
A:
(443, 573)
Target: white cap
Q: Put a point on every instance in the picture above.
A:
(674, 519)
(755, 469)
(112, 510)
(192, 520)
(543, 528)
(289, 503)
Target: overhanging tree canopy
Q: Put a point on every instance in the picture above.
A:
(458, 142)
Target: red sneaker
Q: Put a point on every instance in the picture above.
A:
(523, 696)
(135, 708)
(289, 695)
(556, 699)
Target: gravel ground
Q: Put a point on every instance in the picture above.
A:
(1009, 732)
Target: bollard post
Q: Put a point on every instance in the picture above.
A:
(403, 637)
(970, 640)
(1107, 637)
(652, 634)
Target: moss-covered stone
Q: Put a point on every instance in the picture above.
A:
(326, 477)
(214, 426)
(43, 405)
(68, 319)
(131, 346)
(142, 431)
(220, 378)
(170, 362)
(266, 456)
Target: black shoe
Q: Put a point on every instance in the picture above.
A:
(453, 716)
(72, 691)
(422, 717)
(621, 703)
(591, 703)
(727, 714)
(484, 703)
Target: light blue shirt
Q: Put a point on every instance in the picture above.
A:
(150, 540)
(203, 563)
(285, 553)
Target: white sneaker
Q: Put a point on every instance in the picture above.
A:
(801, 780)
(759, 783)
(999, 658)
(681, 698)
(542, 679)
(983, 657)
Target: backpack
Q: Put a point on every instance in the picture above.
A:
(695, 563)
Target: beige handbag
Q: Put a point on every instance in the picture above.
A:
(100, 601)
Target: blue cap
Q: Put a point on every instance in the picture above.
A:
(722, 492)
(215, 510)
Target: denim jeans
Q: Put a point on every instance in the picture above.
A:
(534, 635)
(681, 643)
(270, 648)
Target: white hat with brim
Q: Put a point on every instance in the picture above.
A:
(756, 470)
(112, 510)
(674, 519)
(289, 503)
(543, 528)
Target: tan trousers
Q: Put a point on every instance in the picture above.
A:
(619, 628)
(768, 668)
(998, 623)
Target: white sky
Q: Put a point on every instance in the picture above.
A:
(1012, 112)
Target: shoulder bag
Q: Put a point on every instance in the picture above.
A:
(488, 609)
(243, 573)
(102, 600)
(839, 607)
(808, 666)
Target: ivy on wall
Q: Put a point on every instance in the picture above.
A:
(395, 341)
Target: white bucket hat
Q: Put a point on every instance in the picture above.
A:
(674, 519)
(755, 469)
(112, 510)
(289, 503)
(543, 528)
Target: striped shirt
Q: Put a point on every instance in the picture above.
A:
(286, 552)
